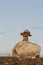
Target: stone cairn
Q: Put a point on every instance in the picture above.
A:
(26, 49)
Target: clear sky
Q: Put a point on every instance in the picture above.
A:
(16, 16)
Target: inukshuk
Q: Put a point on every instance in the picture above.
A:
(25, 48)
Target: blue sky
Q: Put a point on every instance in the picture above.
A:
(16, 16)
